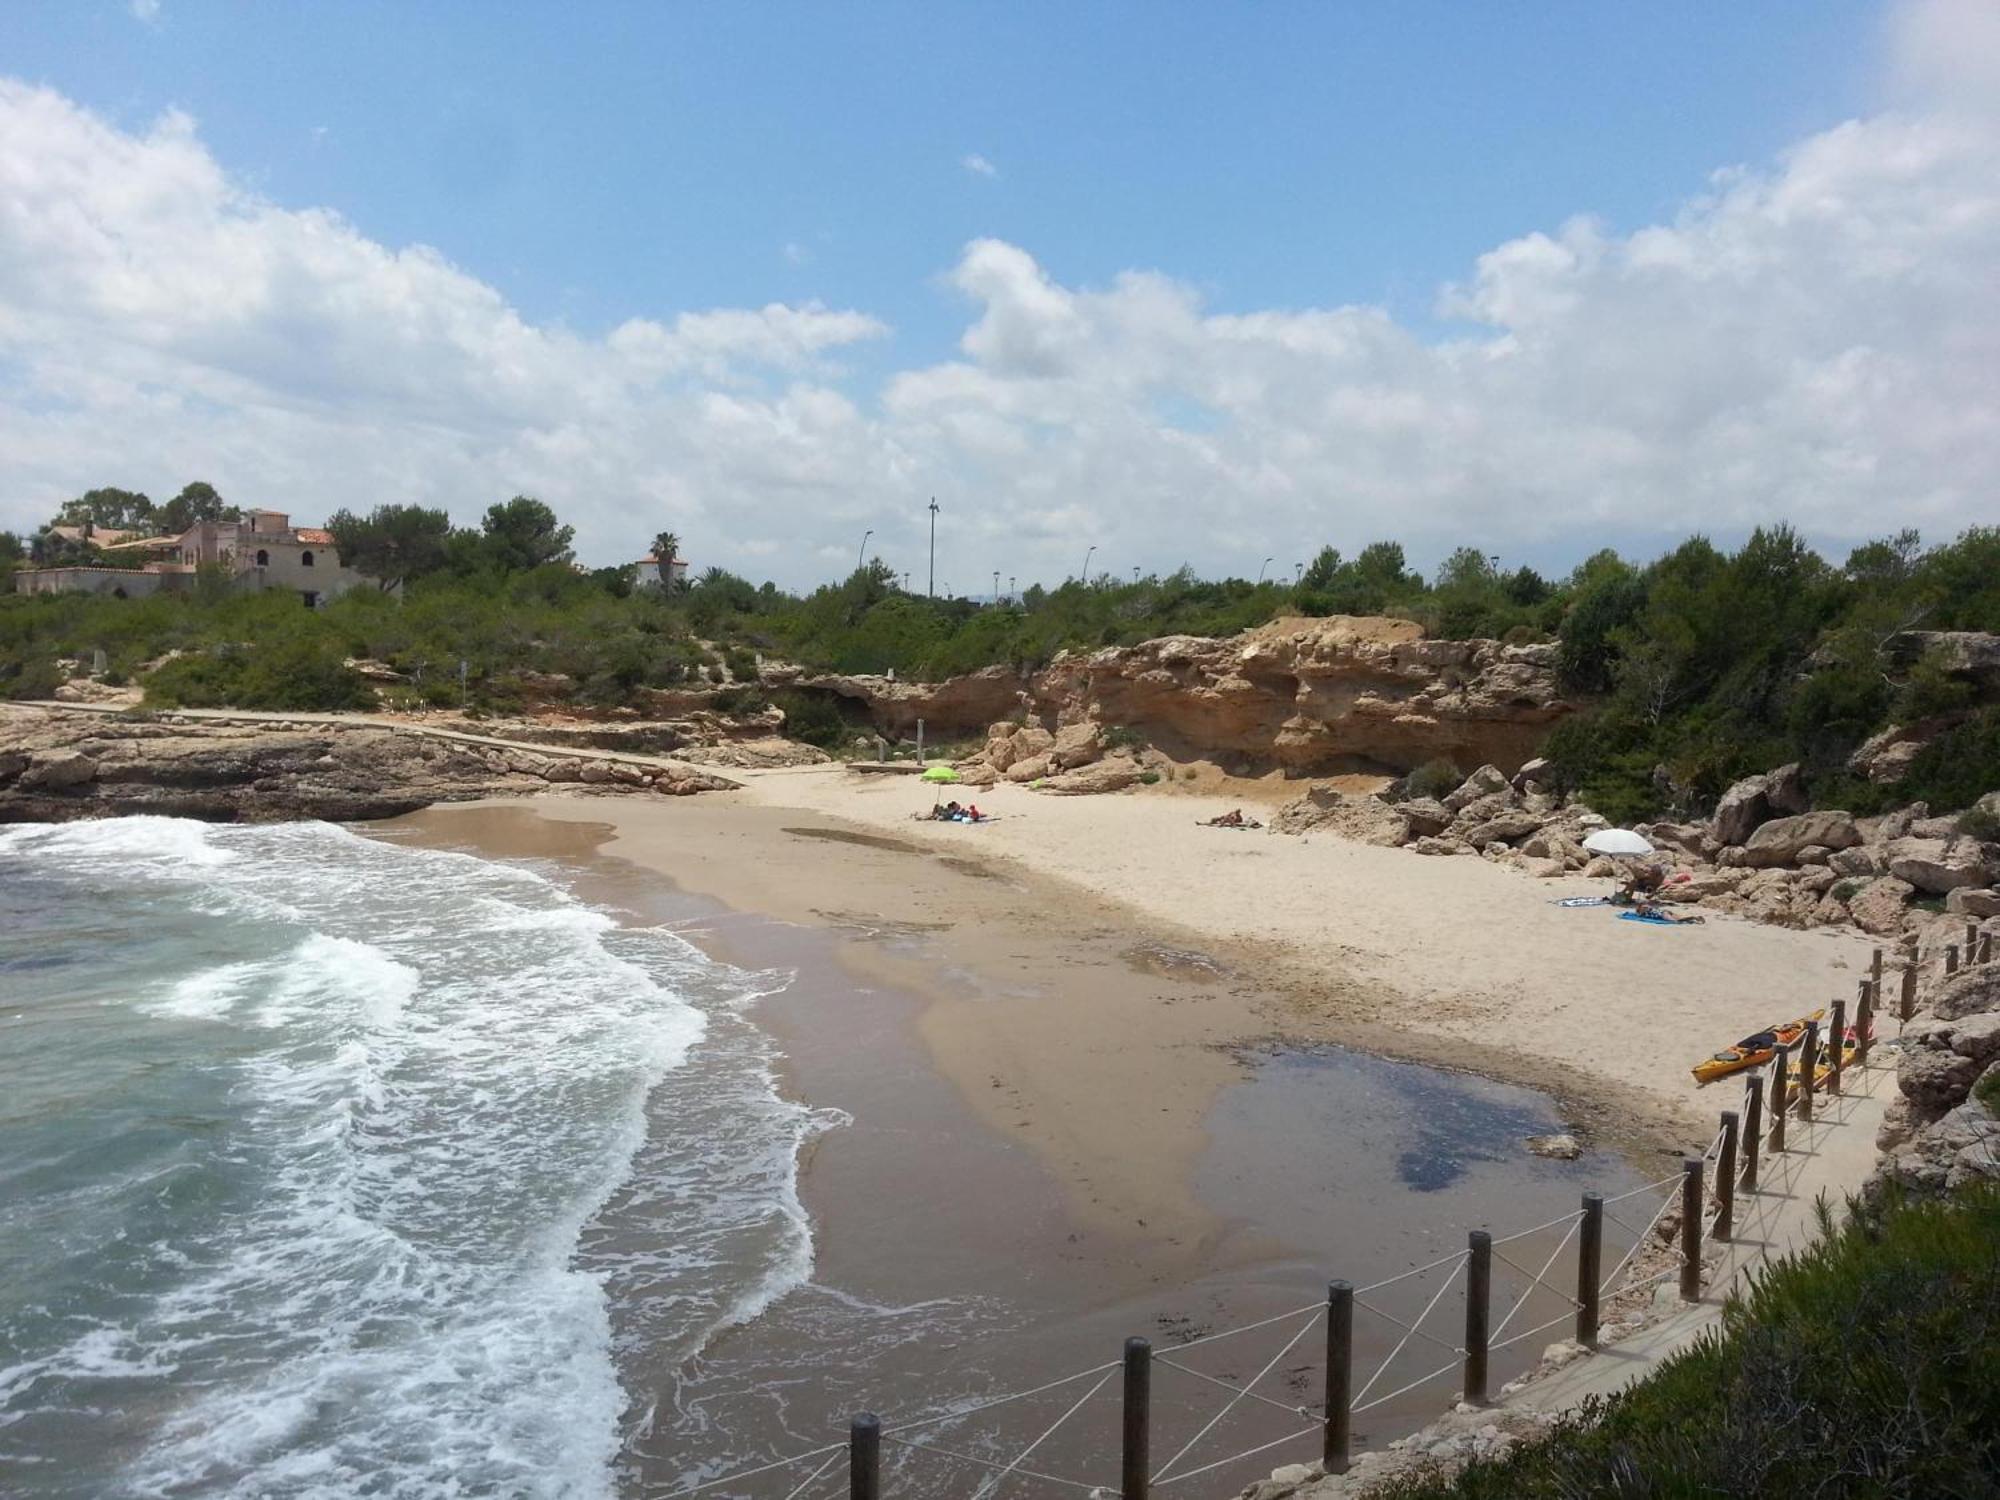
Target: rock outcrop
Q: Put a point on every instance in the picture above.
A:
(1345, 693)
(56, 767)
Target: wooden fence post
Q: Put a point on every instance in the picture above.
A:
(1875, 970)
(864, 1457)
(1864, 1020)
(1808, 1066)
(1725, 1178)
(1950, 959)
(1589, 1268)
(1837, 1055)
(1138, 1419)
(1753, 1130)
(1909, 998)
(1478, 1310)
(1339, 1375)
(1691, 1229)
(1781, 1101)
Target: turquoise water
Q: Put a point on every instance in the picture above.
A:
(306, 1141)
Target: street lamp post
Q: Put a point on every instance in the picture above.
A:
(933, 547)
(1010, 586)
(1135, 575)
(1260, 570)
(996, 585)
(861, 558)
(1086, 563)
(1298, 572)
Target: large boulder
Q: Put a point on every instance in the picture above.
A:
(1076, 745)
(1936, 866)
(1501, 828)
(1860, 860)
(1780, 841)
(1970, 901)
(1487, 781)
(1028, 768)
(1785, 789)
(1966, 993)
(1878, 907)
(1112, 775)
(1425, 815)
(1742, 809)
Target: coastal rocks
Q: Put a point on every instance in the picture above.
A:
(1969, 902)
(1487, 781)
(1780, 841)
(1031, 768)
(87, 766)
(1076, 745)
(1501, 828)
(54, 770)
(1966, 993)
(1425, 815)
(1937, 865)
(1754, 800)
(1365, 819)
(1439, 846)
(1338, 694)
(1106, 776)
(1556, 1147)
(1961, 1147)
(1878, 907)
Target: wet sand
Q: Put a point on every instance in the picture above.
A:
(1067, 1126)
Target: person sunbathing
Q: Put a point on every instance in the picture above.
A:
(1233, 819)
(1652, 911)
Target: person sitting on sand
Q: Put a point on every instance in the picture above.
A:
(973, 814)
(1231, 819)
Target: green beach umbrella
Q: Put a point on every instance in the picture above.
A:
(940, 773)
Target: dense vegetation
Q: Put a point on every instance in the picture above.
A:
(1699, 667)
(1868, 1365)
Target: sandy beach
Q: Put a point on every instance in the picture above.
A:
(1451, 961)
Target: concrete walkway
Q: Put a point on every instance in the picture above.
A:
(260, 718)
(1828, 1159)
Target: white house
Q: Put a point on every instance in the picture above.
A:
(261, 551)
(646, 572)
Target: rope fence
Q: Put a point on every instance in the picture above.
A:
(1750, 1163)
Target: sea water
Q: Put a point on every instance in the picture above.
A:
(325, 1162)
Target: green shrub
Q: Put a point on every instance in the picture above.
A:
(1867, 1365)
(1434, 778)
(30, 677)
(1987, 1090)
(1980, 823)
(742, 664)
(815, 719)
(295, 674)
(743, 699)
(1958, 767)
(1122, 737)
(1149, 778)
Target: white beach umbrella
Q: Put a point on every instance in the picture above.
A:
(1619, 843)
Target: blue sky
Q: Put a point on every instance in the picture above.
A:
(1191, 282)
(596, 162)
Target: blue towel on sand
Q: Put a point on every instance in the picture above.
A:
(1636, 916)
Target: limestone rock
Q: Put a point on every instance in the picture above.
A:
(1779, 841)
(1440, 846)
(1365, 819)
(1785, 789)
(1113, 775)
(1860, 860)
(55, 770)
(1028, 768)
(1969, 901)
(563, 770)
(1425, 815)
(1507, 825)
(1076, 745)
(1487, 781)
(1937, 866)
(12, 764)
(1741, 810)
(1558, 1147)
(1878, 907)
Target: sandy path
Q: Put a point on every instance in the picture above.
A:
(1371, 940)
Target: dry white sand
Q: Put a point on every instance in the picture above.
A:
(1453, 949)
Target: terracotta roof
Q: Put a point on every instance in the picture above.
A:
(314, 535)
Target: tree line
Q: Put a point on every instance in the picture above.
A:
(1695, 668)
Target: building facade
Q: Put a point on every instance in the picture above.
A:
(261, 550)
(646, 572)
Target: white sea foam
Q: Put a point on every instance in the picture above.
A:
(447, 1091)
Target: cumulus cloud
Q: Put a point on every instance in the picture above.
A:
(146, 10)
(1815, 340)
(978, 165)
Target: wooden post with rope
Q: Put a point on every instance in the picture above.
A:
(1337, 1431)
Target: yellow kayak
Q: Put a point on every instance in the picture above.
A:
(1759, 1047)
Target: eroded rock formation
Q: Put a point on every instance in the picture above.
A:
(55, 767)
(1345, 693)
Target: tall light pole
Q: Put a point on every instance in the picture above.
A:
(1086, 563)
(1010, 586)
(996, 585)
(861, 558)
(1298, 572)
(933, 592)
(1260, 571)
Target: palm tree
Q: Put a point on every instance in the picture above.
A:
(666, 548)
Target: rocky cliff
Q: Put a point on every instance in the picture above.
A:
(55, 767)
(1345, 693)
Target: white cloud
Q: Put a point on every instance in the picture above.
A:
(1818, 340)
(146, 10)
(978, 165)
(796, 253)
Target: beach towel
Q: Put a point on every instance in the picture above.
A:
(1657, 921)
(1584, 901)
